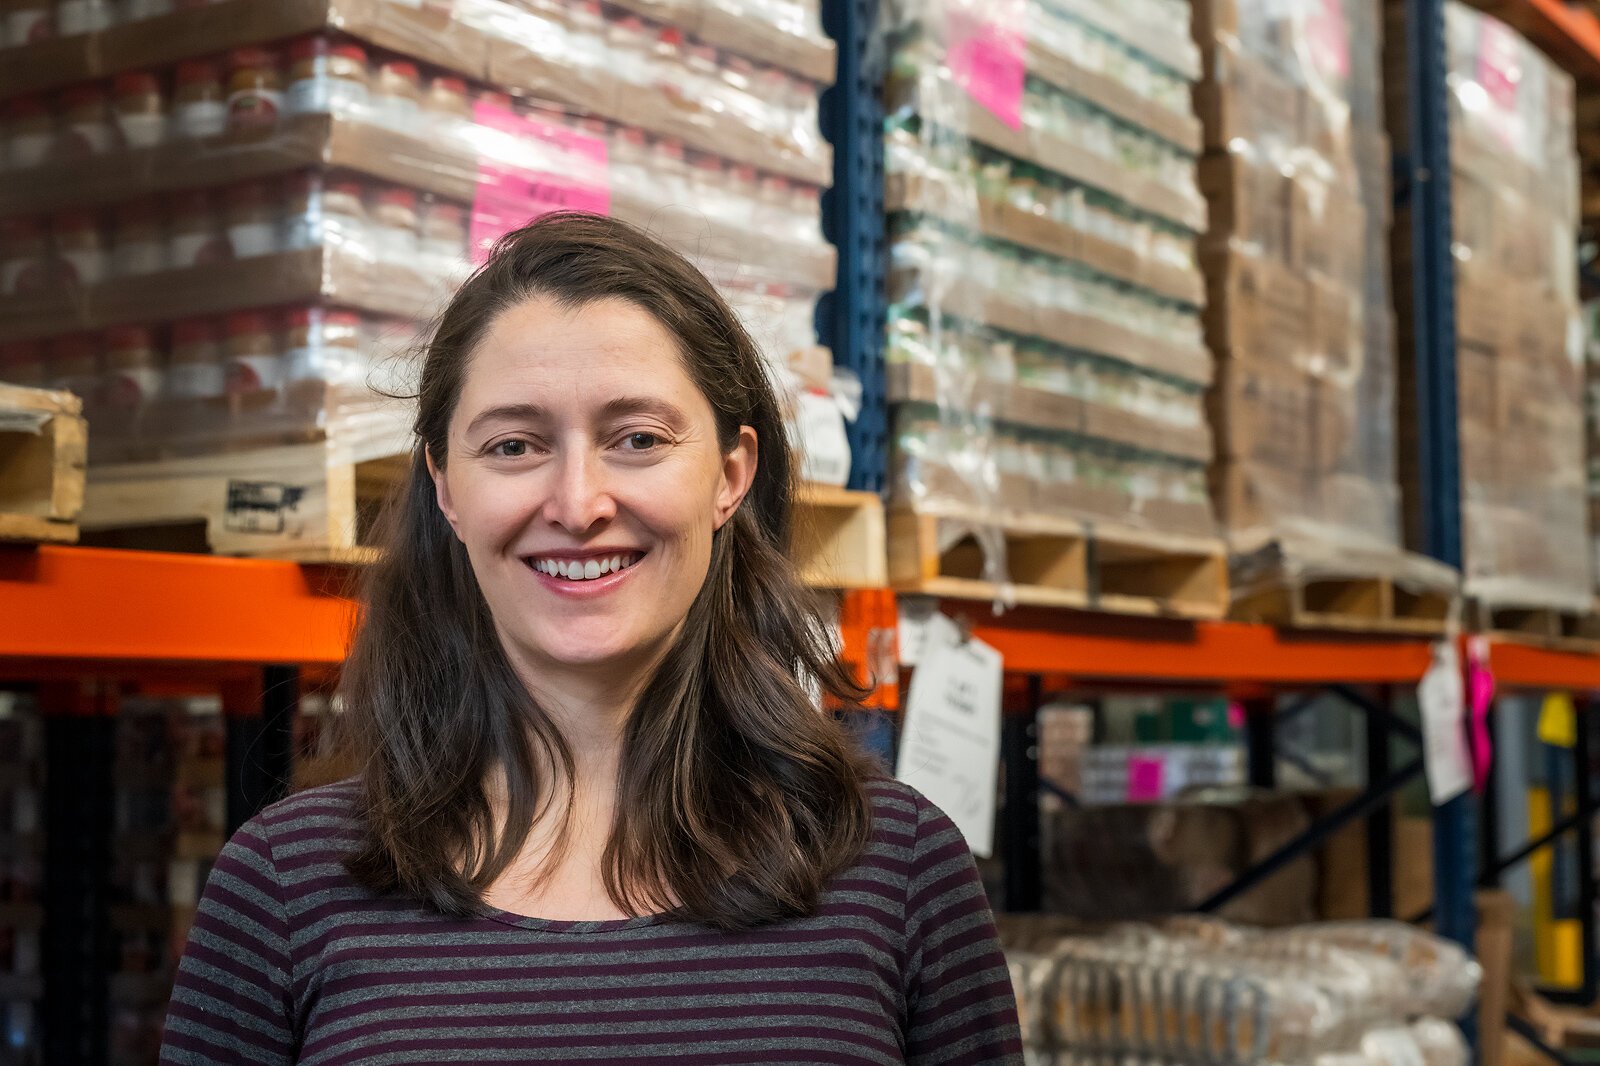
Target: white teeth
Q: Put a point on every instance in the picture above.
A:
(587, 570)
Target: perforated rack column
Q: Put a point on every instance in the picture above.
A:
(850, 320)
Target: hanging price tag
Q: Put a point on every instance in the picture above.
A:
(950, 749)
(1441, 698)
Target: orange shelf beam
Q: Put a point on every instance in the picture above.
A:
(64, 607)
(89, 604)
(1569, 33)
(1520, 666)
(1110, 649)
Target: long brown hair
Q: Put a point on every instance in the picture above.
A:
(737, 799)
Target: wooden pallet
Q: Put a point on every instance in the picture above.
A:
(1547, 627)
(1059, 562)
(1347, 591)
(295, 502)
(839, 538)
(43, 449)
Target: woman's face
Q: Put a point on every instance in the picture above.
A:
(585, 479)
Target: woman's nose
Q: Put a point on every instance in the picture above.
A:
(579, 494)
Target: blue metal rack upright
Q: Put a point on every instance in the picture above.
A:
(850, 320)
(1422, 195)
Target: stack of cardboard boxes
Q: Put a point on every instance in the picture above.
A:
(1519, 344)
(1298, 316)
(1044, 347)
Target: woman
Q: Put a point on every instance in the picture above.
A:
(599, 818)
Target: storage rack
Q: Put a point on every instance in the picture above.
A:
(78, 622)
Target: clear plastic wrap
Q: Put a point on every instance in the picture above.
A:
(1299, 317)
(236, 246)
(1519, 362)
(1044, 347)
(1201, 990)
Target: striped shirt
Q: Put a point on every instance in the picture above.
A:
(291, 961)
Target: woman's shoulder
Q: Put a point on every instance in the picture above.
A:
(313, 818)
(905, 821)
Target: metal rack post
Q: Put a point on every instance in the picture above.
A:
(850, 320)
(1422, 183)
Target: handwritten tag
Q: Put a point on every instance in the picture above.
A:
(1441, 697)
(528, 168)
(987, 55)
(950, 747)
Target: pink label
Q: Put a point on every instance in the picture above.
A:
(1500, 74)
(988, 57)
(1480, 701)
(1146, 776)
(534, 168)
(1328, 40)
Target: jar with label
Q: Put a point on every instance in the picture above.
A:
(670, 76)
(131, 374)
(196, 370)
(322, 348)
(255, 92)
(28, 22)
(444, 235)
(671, 171)
(139, 242)
(22, 363)
(30, 132)
(139, 10)
(74, 365)
(81, 257)
(24, 257)
(394, 229)
(327, 77)
(320, 211)
(84, 16)
(196, 234)
(448, 105)
(87, 128)
(396, 94)
(200, 101)
(255, 219)
(255, 354)
(141, 109)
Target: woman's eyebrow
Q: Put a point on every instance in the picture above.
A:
(508, 412)
(623, 406)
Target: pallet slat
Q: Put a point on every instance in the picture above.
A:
(44, 446)
(1348, 590)
(1058, 562)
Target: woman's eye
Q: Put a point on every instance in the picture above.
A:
(511, 449)
(642, 442)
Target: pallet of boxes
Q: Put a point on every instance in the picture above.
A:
(224, 224)
(1046, 366)
(1299, 319)
(1519, 342)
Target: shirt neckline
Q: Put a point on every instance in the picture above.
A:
(595, 925)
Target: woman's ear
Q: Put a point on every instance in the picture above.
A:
(738, 473)
(441, 492)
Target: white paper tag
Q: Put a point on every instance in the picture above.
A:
(1441, 699)
(915, 611)
(824, 448)
(950, 748)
